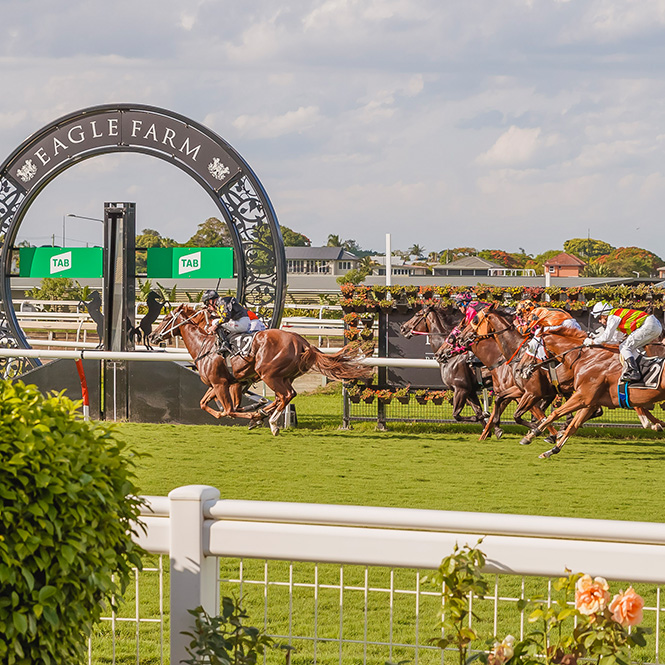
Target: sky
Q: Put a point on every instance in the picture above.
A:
(511, 124)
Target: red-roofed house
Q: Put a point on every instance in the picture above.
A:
(564, 265)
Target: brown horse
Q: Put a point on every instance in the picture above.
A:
(456, 372)
(276, 357)
(596, 371)
(495, 340)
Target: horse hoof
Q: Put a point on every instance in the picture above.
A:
(498, 432)
(549, 439)
(657, 427)
(549, 453)
(274, 429)
(253, 424)
(525, 441)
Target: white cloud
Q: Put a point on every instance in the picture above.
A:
(514, 147)
(265, 126)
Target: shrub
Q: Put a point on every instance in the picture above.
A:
(65, 526)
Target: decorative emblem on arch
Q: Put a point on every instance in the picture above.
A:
(199, 152)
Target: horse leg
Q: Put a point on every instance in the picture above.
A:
(578, 420)
(647, 417)
(461, 397)
(574, 403)
(284, 393)
(501, 401)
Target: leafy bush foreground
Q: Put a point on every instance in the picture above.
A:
(65, 525)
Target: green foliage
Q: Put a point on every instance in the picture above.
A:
(211, 233)
(147, 239)
(292, 238)
(58, 288)
(587, 248)
(67, 503)
(502, 258)
(625, 261)
(225, 640)
(459, 575)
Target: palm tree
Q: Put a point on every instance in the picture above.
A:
(416, 250)
(334, 240)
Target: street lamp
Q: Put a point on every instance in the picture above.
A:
(64, 217)
(636, 273)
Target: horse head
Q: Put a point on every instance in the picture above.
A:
(417, 323)
(169, 327)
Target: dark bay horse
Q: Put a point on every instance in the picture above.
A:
(276, 357)
(456, 372)
(596, 371)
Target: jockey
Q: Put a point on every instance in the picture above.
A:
(533, 320)
(637, 329)
(228, 316)
(469, 306)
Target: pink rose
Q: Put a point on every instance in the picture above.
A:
(591, 595)
(627, 607)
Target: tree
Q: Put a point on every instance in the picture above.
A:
(211, 233)
(416, 250)
(334, 241)
(587, 248)
(499, 256)
(294, 239)
(626, 261)
(147, 239)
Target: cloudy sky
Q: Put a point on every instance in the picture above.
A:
(486, 123)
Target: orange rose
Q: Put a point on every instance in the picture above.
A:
(627, 607)
(591, 595)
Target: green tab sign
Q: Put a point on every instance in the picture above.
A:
(78, 262)
(190, 262)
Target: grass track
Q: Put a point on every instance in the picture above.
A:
(610, 474)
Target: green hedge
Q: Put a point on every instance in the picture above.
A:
(67, 498)
(372, 298)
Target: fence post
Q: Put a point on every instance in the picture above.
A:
(193, 575)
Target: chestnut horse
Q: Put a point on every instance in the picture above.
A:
(596, 371)
(456, 372)
(276, 357)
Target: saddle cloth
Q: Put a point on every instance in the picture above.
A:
(651, 369)
(241, 343)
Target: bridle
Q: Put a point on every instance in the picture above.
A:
(174, 326)
(423, 313)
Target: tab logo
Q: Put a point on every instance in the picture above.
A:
(61, 262)
(189, 263)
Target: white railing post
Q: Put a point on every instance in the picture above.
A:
(193, 575)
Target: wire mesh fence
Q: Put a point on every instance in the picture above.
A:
(430, 412)
(334, 614)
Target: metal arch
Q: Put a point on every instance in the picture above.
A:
(223, 173)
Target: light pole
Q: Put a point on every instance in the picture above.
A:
(64, 217)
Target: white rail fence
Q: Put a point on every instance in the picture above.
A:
(194, 528)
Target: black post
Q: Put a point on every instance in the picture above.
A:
(119, 303)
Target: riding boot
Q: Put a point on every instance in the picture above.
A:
(223, 345)
(631, 374)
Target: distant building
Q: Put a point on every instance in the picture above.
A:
(471, 266)
(319, 261)
(564, 265)
(399, 267)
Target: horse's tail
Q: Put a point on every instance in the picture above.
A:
(343, 365)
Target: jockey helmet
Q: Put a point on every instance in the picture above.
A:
(601, 308)
(462, 299)
(209, 295)
(524, 308)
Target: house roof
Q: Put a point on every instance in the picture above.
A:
(319, 254)
(470, 262)
(564, 259)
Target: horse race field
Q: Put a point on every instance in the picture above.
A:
(611, 474)
(603, 473)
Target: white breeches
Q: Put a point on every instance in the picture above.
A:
(237, 325)
(256, 324)
(648, 332)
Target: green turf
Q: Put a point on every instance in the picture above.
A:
(612, 474)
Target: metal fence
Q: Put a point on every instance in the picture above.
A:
(345, 584)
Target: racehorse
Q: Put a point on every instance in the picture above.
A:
(456, 372)
(494, 339)
(276, 357)
(596, 371)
